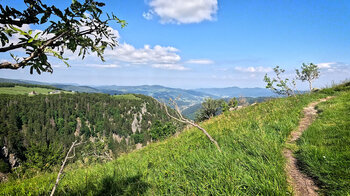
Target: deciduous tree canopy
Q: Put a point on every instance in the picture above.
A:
(78, 28)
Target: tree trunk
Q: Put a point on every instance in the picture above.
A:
(310, 85)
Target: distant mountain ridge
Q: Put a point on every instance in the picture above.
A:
(185, 98)
(236, 92)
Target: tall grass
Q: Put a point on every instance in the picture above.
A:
(325, 147)
(252, 163)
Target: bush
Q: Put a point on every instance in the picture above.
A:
(162, 130)
(137, 137)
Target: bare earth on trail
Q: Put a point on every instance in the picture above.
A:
(302, 184)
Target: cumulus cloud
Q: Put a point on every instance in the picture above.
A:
(163, 57)
(200, 61)
(259, 69)
(182, 11)
(326, 65)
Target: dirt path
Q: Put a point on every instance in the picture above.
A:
(302, 184)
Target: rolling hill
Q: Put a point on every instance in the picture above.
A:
(186, 98)
(236, 92)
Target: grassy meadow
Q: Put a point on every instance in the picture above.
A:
(126, 97)
(252, 163)
(20, 90)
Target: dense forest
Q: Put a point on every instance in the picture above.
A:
(36, 131)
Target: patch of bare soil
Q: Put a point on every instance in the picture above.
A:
(302, 184)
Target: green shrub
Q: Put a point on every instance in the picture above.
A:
(162, 130)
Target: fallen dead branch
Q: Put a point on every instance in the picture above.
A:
(182, 119)
(72, 147)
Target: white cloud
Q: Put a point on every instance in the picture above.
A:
(183, 11)
(259, 69)
(102, 65)
(148, 15)
(326, 65)
(157, 57)
(200, 61)
(146, 55)
(170, 66)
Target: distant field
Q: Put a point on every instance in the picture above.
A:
(126, 96)
(17, 90)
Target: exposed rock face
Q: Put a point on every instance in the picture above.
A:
(236, 108)
(5, 151)
(13, 160)
(138, 146)
(9, 157)
(144, 108)
(117, 138)
(136, 124)
(77, 130)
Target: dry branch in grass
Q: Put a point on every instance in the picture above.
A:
(72, 147)
(182, 119)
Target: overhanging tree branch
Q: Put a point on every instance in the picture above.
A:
(32, 55)
(80, 24)
(12, 47)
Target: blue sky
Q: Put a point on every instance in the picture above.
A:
(210, 43)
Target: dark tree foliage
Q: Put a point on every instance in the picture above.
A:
(28, 85)
(210, 107)
(39, 129)
(80, 27)
(162, 130)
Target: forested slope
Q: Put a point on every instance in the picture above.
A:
(36, 131)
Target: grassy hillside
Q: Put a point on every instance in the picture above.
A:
(251, 163)
(20, 89)
(23, 90)
(325, 147)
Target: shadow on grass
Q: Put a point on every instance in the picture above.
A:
(126, 186)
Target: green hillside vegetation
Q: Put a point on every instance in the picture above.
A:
(325, 147)
(126, 96)
(252, 163)
(191, 111)
(38, 130)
